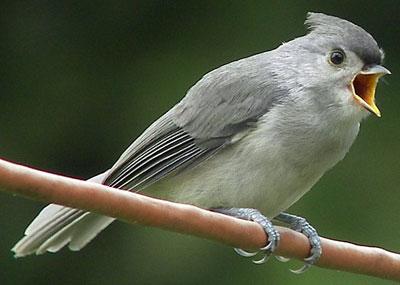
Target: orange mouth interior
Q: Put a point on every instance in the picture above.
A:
(363, 88)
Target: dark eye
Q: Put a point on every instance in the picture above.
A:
(337, 57)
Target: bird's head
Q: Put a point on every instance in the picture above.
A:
(340, 61)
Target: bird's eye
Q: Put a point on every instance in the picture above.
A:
(337, 57)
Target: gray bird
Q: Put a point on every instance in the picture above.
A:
(250, 137)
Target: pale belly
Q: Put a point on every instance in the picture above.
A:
(253, 173)
(269, 190)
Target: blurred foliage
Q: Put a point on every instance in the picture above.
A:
(81, 79)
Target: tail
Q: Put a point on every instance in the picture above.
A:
(56, 226)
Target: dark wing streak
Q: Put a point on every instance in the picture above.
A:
(158, 161)
(152, 164)
(152, 156)
(158, 153)
(121, 171)
(164, 166)
(166, 141)
(156, 176)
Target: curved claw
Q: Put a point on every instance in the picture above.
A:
(272, 244)
(244, 253)
(316, 252)
(268, 247)
(311, 259)
(281, 258)
(302, 269)
(262, 260)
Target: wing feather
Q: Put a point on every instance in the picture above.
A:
(217, 111)
(173, 151)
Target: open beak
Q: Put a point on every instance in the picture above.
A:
(363, 87)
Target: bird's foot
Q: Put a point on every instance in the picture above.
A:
(301, 225)
(255, 216)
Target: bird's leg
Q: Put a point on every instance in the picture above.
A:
(301, 225)
(255, 216)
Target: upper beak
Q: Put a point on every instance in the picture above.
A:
(363, 86)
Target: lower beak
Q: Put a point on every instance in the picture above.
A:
(364, 84)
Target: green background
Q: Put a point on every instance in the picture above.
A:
(81, 79)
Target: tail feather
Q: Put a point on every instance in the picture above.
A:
(56, 226)
(87, 229)
(40, 231)
(49, 212)
(78, 233)
(55, 241)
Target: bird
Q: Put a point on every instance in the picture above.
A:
(248, 139)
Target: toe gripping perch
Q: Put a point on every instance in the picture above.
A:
(296, 223)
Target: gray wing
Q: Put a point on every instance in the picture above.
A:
(229, 99)
(165, 153)
(221, 105)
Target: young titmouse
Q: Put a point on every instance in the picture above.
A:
(250, 137)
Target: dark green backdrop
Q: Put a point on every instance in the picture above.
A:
(81, 79)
